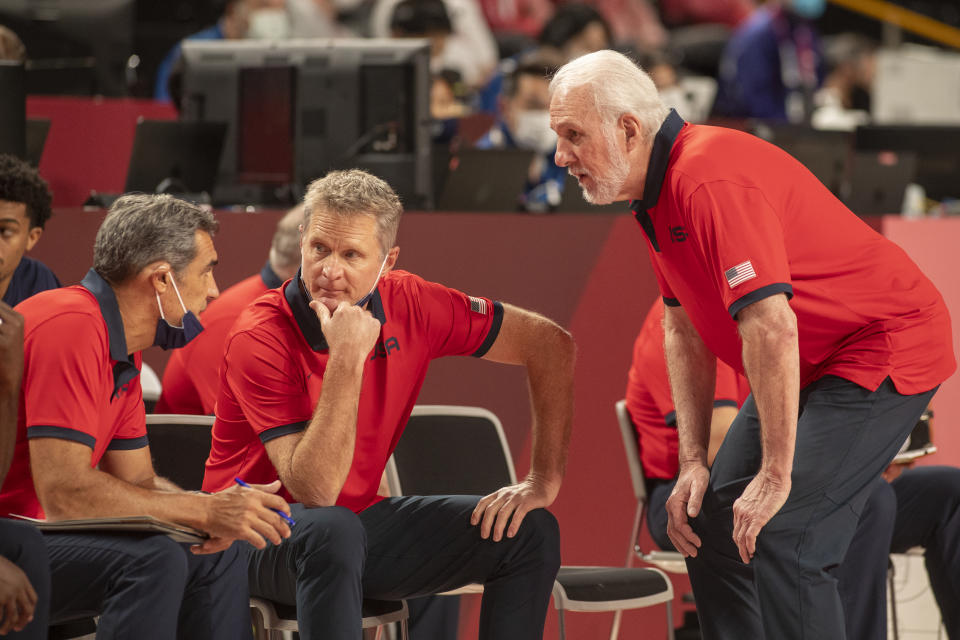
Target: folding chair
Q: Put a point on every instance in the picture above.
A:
(669, 561)
(462, 450)
(180, 445)
(151, 385)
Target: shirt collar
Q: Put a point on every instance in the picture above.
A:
(307, 319)
(656, 172)
(124, 369)
(270, 277)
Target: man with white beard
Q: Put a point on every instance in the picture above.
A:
(842, 339)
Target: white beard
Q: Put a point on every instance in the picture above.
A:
(607, 188)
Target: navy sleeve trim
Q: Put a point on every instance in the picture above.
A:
(493, 333)
(759, 294)
(127, 444)
(725, 403)
(671, 419)
(61, 433)
(671, 302)
(282, 430)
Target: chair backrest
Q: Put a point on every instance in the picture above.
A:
(629, 435)
(451, 450)
(180, 445)
(151, 385)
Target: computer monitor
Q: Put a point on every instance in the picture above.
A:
(76, 47)
(13, 109)
(295, 109)
(825, 154)
(937, 149)
(175, 157)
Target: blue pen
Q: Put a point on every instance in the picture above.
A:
(277, 511)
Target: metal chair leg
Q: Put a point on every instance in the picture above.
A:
(893, 599)
(670, 633)
(563, 631)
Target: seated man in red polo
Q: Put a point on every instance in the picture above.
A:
(191, 378)
(318, 380)
(906, 508)
(81, 444)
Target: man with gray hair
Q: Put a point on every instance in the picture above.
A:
(317, 382)
(191, 378)
(81, 446)
(842, 339)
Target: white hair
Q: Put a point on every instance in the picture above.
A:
(618, 86)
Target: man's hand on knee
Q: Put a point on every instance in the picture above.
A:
(683, 504)
(17, 598)
(245, 513)
(761, 500)
(493, 511)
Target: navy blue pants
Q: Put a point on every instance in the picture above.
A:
(846, 436)
(148, 587)
(406, 547)
(23, 545)
(921, 508)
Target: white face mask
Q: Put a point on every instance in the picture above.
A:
(269, 24)
(533, 130)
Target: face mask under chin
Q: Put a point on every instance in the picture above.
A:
(168, 336)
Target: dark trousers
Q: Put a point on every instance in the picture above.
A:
(921, 508)
(23, 545)
(402, 548)
(148, 587)
(846, 436)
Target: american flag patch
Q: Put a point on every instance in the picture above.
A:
(739, 274)
(478, 305)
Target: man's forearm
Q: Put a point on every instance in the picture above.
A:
(551, 394)
(692, 370)
(8, 431)
(322, 458)
(771, 360)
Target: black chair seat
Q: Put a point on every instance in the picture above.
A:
(601, 584)
(370, 608)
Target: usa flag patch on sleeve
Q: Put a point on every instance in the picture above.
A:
(739, 274)
(478, 305)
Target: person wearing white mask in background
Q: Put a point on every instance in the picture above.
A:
(239, 19)
(525, 124)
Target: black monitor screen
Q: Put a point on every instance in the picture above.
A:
(265, 135)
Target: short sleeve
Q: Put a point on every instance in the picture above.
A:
(456, 323)
(63, 376)
(132, 430)
(261, 377)
(743, 243)
(666, 292)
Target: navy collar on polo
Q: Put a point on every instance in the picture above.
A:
(307, 319)
(124, 370)
(270, 277)
(656, 172)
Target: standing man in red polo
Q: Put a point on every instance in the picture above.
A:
(318, 380)
(842, 339)
(81, 446)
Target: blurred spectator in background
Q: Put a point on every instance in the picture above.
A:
(635, 24)
(843, 102)
(685, 12)
(773, 63)
(523, 17)
(468, 48)
(576, 29)
(240, 19)
(691, 95)
(525, 123)
(11, 47)
(315, 19)
(24, 210)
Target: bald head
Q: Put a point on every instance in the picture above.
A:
(285, 248)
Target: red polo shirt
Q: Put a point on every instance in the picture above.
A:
(191, 378)
(79, 383)
(273, 367)
(731, 219)
(650, 403)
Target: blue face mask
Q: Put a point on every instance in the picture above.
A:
(170, 337)
(809, 9)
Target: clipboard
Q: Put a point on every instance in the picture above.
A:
(131, 524)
